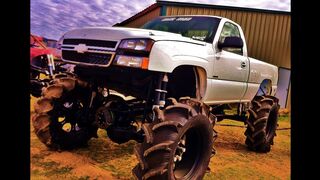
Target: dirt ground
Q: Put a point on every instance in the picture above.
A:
(103, 159)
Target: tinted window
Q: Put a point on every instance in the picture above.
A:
(198, 28)
(230, 29)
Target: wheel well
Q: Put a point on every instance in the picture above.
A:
(187, 81)
(265, 87)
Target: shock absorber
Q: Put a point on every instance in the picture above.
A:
(161, 91)
(51, 67)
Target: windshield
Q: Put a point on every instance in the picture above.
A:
(198, 28)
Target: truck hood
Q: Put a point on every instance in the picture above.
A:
(119, 33)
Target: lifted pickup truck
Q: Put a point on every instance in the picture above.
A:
(176, 75)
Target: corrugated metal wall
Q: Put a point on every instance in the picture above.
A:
(267, 35)
(145, 18)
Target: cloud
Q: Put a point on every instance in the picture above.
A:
(51, 18)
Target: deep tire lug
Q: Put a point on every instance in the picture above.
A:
(53, 131)
(182, 149)
(175, 127)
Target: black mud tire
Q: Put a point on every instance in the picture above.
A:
(262, 123)
(162, 137)
(34, 74)
(48, 109)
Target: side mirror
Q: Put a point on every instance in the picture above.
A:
(231, 42)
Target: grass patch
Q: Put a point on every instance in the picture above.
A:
(231, 122)
(58, 171)
(48, 168)
(285, 118)
(84, 178)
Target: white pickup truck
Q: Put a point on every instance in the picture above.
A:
(163, 85)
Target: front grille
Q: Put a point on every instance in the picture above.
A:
(90, 42)
(87, 57)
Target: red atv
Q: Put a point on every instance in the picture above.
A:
(41, 57)
(44, 59)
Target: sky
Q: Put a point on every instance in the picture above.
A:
(52, 18)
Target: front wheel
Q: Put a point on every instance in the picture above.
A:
(60, 120)
(178, 145)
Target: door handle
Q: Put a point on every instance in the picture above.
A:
(243, 64)
(217, 56)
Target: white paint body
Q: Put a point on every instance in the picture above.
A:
(227, 81)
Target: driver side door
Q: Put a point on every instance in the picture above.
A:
(230, 68)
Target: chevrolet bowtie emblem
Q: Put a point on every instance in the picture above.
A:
(81, 48)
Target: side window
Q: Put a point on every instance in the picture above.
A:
(230, 30)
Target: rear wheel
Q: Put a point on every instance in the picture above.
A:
(60, 120)
(262, 123)
(178, 145)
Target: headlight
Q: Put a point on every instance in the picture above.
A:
(136, 44)
(131, 61)
(134, 53)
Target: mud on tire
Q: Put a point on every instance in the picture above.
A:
(262, 123)
(178, 144)
(58, 120)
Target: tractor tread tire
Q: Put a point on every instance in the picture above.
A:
(45, 112)
(155, 153)
(263, 116)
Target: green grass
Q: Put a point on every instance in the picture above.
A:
(285, 118)
(47, 168)
(231, 122)
(58, 171)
